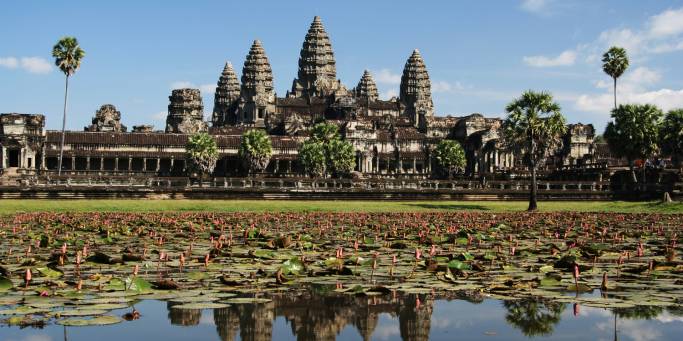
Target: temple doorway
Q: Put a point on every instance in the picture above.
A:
(13, 158)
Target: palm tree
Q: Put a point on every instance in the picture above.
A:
(68, 55)
(255, 150)
(202, 154)
(615, 63)
(534, 127)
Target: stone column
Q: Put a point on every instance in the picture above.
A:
(414, 165)
(102, 163)
(87, 163)
(73, 162)
(156, 169)
(116, 164)
(130, 163)
(144, 164)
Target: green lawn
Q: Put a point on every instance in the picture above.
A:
(131, 205)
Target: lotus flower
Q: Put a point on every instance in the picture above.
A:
(418, 254)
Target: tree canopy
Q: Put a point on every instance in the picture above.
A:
(68, 55)
(202, 153)
(326, 152)
(534, 127)
(450, 155)
(671, 136)
(255, 150)
(634, 130)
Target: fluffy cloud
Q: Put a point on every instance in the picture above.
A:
(9, 62)
(634, 87)
(36, 65)
(205, 89)
(386, 76)
(160, 116)
(565, 58)
(535, 6)
(667, 23)
(389, 93)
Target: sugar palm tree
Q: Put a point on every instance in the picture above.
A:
(68, 55)
(615, 63)
(535, 127)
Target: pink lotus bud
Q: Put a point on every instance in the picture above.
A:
(136, 269)
(78, 258)
(64, 248)
(432, 251)
(355, 245)
(206, 260)
(85, 251)
(576, 272)
(27, 276)
(393, 259)
(418, 254)
(182, 259)
(576, 309)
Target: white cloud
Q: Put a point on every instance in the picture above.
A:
(634, 87)
(385, 76)
(160, 116)
(208, 89)
(181, 85)
(205, 89)
(37, 65)
(667, 23)
(9, 62)
(565, 58)
(388, 94)
(535, 6)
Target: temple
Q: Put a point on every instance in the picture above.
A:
(392, 138)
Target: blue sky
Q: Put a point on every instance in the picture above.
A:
(480, 54)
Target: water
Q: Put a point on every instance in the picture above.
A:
(309, 316)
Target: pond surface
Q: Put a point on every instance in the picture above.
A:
(309, 316)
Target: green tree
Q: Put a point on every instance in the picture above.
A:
(68, 56)
(534, 127)
(202, 154)
(450, 156)
(312, 157)
(338, 156)
(255, 150)
(671, 136)
(614, 64)
(633, 132)
(341, 158)
(325, 132)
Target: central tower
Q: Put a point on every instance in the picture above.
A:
(317, 74)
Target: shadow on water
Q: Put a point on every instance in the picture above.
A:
(462, 207)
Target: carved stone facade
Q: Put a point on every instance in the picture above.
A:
(392, 138)
(107, 118)
(185, 112)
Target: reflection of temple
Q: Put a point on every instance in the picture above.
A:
(183, 317)
(319, 317)
(391, 137)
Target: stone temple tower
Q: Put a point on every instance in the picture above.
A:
(185, 112)
(366, 88)
(317, 74)
(416, 90)
(226, 98)
(257, 97)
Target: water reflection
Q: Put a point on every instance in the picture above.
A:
(534, 317)
(326, 315)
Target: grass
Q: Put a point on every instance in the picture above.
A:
(132, 205)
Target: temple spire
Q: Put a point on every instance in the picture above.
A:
(366, 87)
(226, 96)
(257, 96)
(416, 89)
(317, 68)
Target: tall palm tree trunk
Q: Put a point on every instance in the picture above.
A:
(533, 204)
(61, 146)
(615, 92)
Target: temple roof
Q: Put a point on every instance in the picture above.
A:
(366, 87)
(257, 75)
(316, 61)
(415, 83)
(228, 87)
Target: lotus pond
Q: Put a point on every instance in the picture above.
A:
(412, 276)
